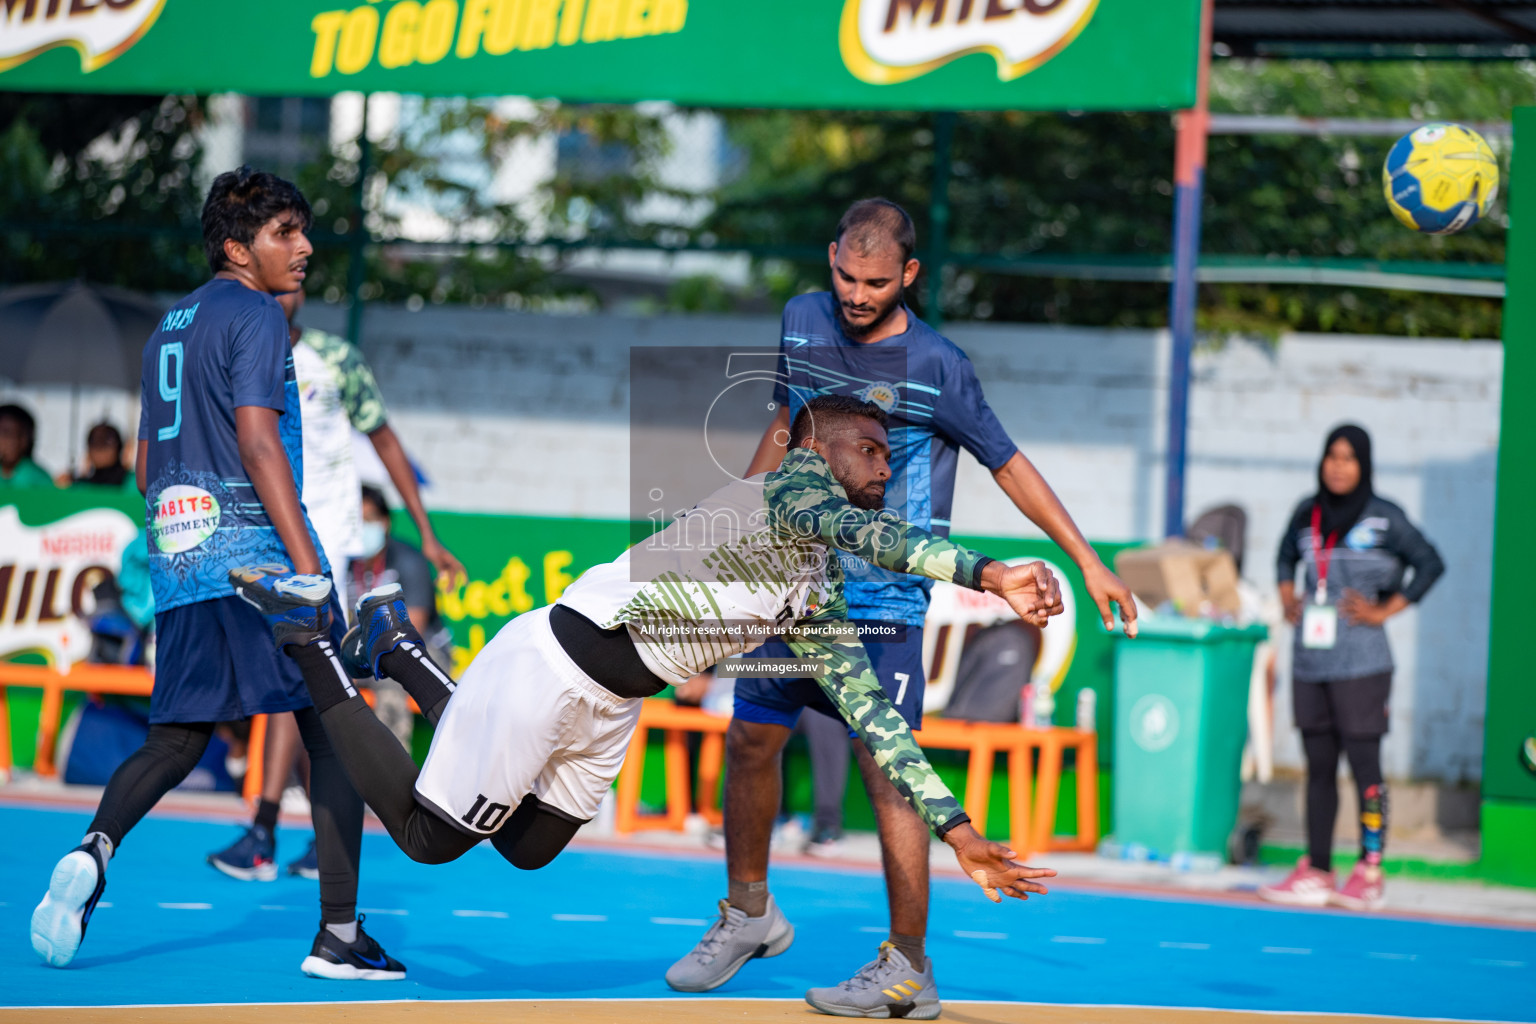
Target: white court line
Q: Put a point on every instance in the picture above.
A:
(481, 913)
(275, 906)
(1278, 1015)
(579, 917)
(692, 922)
(185, 906)
(981, 935)
(871, 929)
(104, 904)
(1393, 956)
(383, 910)
(1184, 945)
(1499, 963)
(1291, 950)
(1079, 940)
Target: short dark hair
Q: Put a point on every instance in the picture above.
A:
(240, 202)
(872, 224)
(24, 420)
(825, 409)
(375, 497)
(107, 432)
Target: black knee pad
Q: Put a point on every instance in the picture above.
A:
(535, 834)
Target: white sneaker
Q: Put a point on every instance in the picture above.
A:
(888, 986)
(730, 943)
(58, 923)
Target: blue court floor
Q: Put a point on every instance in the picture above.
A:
(599, 923)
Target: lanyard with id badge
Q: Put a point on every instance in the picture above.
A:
(1320, 620)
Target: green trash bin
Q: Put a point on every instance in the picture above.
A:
(1181, 717)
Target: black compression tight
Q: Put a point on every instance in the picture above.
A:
(385, 775)
(1322, 749)
(168, 755)
(171, 752)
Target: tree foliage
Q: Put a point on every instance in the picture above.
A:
(117, 200)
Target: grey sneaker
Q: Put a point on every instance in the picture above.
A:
(729, 943)
(888, 986)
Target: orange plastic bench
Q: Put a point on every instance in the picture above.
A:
(678, 721)
(1031, 833)
(127, 680)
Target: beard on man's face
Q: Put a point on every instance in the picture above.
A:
(856, 331)
(870, 498)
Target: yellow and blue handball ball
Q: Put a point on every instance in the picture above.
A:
(1440, 178)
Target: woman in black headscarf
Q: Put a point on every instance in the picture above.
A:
(1356, 549)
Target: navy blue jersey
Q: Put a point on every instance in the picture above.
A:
(929, 390)
(221, 347)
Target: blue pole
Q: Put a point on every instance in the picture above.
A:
(1189, 190)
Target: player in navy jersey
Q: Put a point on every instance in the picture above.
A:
(860, 339)
(220, 464)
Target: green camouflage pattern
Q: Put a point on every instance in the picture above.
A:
(808, 505)
(854, 689)
(805, 502)
(360, 395)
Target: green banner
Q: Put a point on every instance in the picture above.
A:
(862, 54)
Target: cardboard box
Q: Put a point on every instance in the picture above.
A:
(1199, 581)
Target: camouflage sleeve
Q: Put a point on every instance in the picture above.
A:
(849, 681)
(806, 501)
(359, 391)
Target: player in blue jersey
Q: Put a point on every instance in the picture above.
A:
(220, 464)
(861, 339)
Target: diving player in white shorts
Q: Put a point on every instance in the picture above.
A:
(536, 730)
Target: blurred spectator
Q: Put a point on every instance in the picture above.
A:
(388, 559)
(827, 740)
(1355, 548)
(103, 461)
(18, 431)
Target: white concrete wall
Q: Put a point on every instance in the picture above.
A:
(520, 413)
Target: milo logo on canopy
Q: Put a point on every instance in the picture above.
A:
(888, 41)
(183, 518)
(101, 30)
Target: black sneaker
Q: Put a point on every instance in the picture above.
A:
(58, 923)
(297, 606)
(382, 626)
(363, 960)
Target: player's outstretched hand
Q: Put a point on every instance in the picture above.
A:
(992, 865)
(1031, 590)
(1104, 587)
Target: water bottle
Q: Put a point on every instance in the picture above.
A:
(1027, 706)
(1045, 706)
(1087, 710)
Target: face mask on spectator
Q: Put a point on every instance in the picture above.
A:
(374, 536)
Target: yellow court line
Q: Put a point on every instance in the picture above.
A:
(643, 1011)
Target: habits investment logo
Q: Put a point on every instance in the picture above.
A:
(888, 41)
(101, 30)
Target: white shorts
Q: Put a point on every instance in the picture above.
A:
(525, 719)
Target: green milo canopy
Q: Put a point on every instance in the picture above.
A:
(902, 54)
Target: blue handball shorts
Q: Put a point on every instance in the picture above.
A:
(897, 662)
(216, 661)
